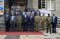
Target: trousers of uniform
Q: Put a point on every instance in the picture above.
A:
(18, 26)
(48, 27)
(53, 27)
(43, 25)
(37, 26)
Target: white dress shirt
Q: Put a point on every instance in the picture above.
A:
(53, 18)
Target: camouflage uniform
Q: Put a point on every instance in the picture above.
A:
(48, 21)
(43, 22)
(19, 21)
(37, 22)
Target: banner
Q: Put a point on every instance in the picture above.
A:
(1, 7)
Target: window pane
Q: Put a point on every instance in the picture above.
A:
(39, 4)
(43, 6)
(43, 2)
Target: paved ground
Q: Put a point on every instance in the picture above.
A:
(45, 36)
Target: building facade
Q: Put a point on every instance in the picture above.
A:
(51, 5)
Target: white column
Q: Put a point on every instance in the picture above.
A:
(50, 6)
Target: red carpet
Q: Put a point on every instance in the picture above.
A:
(21, 33)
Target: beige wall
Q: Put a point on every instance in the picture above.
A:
(35, 4)
(58, 8)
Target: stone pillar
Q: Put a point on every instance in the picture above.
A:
(58, 8)
(35, 4)
(30, 3)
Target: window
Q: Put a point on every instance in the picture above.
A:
(41, 4)
(50, 4)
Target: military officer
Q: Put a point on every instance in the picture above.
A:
(18, 21)
(48, 21)
(43, 22)
(37, 22)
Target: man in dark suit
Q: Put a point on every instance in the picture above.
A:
(7, 19)
(31, 22)
(54, 23)
(12, 22)
(25, 22)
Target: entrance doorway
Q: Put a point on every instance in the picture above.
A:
(9, 3)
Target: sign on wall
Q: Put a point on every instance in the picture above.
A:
(1, 7)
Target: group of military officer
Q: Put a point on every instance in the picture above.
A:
(47, 23)
(15, 20)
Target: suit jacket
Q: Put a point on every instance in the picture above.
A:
(55, 20)
(25, 19)
(6, 17)
(13, 18)
(31, 19)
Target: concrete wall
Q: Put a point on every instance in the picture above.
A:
(35, 4)
(30, 4)
(58, 8)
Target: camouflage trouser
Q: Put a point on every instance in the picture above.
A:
(48, 27)
(36, 26)
(18, 27)
(43, 25)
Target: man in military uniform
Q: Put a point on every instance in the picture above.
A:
(37, 21)
(43, 22)
(18, 21)
(48, 21)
